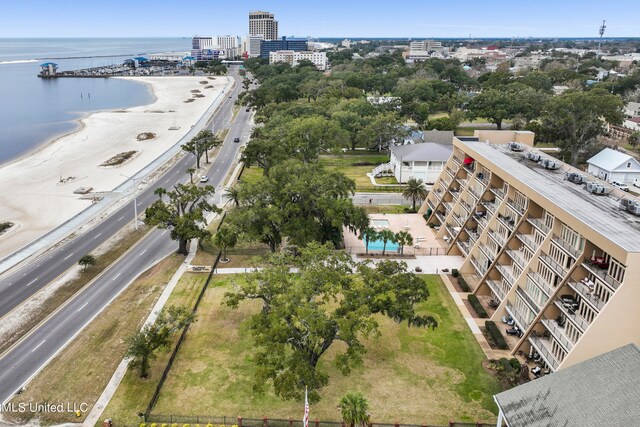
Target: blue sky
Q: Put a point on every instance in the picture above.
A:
(328, 18)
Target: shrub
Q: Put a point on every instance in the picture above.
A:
(515, 364)
(496, 335)
(143, 425)
(455, 272)
(475, 303)
(505, 365)
(463, 284)
(410, 210)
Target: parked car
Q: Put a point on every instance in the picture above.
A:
(236, 139)
(636, 182)
(248, 110)
(620, 185)
(204, 178)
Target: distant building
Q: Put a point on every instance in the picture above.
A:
(601, 391)
(264, 24)
(346, 43)
(268, 46)
(48, 69)
(423, 161)
(206, 48)
(611, 165)
(293, 58)
(425, 45)
(632, 109)
(253, 44)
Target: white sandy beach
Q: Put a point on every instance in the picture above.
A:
(31, 194)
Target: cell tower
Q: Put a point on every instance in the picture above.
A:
(601, 32)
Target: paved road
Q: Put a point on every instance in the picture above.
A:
(23, 283)
(376, 199)
(23, 360)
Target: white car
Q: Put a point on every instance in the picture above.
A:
(620, 185)
(636, 182)
(204, 178)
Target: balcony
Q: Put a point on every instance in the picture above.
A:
(495, 287)
(537, 223)
(586, 294)
(498, 192)
(452, 230)
(490, 206)
(447, 206)
(463, 182)
(543, 347)
(450, 172)
(466, 207)
(463, 246)
(573, 252)
(517, 316)
(482, 222)
(485, 250)
(517, 208)
(602, 274)
(540, 282)
(431, 205)
(507, 221)
(475, 193)
(483, 178)
(480, 269)
(517, 257)
(455, 193)
(553, 265)
(573, 316)
(458, 219)
(457, 161)
(558, 334)
(440, 217)
(500, 240)
(507, 273)
(528, 240)
(533, 306)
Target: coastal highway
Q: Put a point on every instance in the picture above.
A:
(18, 286)
(23, 360)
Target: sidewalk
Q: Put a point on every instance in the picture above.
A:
(474, 324)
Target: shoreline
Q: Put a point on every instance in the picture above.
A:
(80, 123)
(44, 180)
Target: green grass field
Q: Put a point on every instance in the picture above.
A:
(409, 375)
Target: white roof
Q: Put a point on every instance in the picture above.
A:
(610, 160)
(422, 152)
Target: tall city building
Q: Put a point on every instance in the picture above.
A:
(268, 46)
(264, 24)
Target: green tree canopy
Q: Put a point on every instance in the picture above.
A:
(323, 301)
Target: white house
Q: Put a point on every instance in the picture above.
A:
(611, 165)
(632, 109)
(422, 161)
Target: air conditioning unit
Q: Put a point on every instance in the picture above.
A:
(514, 146)
(574, 177)
(550, 164)
(533, 156)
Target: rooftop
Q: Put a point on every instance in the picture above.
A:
(602, 391)
(423, 151)
(600, 213)
(609, 159)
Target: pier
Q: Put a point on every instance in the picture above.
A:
(131, 67)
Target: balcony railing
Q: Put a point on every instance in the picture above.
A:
(473, 236)
(528, 300)
(498, 192)
(456, 160)
(490, 206)
(507, 221)
(517, 316)
(586, 294)
(485, 250)
(512, 204)
(431, 205)
(540, 282)
(575, 318)
(540, 345)
(485, 178)
(518, 257)
(450, 172)
(454, 193)
(558, 334)
(480, 269)
(463, 182)
(537, 223)
(463, 246)
(495, 287)
(447, 206)
(482, 222)
(575, 253)
(458, 219)
(507, 273)
(528, 240)
(602, 274)
(466, 207)
(555, 266)
(498, 238)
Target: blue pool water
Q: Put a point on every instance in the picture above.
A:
(377, 245)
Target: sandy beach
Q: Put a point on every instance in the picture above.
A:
(37, 190)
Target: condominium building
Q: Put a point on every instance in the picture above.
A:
(425, 45)
(293, 58)
(264, 24)
(556, 250)
(253, 44)
(268, 46)
(204, 48)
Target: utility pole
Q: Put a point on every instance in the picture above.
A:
(601, 32)
(135, 200)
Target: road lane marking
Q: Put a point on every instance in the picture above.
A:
(32, 282)
(116, 276)
(121, 218)
(98, 235)
(38, 346)
(143, 252)
(85, 304)
(69, 256)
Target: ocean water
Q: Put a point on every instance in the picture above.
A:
(34, 111)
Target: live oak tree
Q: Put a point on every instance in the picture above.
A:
(86, 261)
(144, 343)
(574, 120)
(326, 298)
(183, 213)
(200, 145)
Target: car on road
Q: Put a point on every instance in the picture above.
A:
(620, 185)
(204, 178)
(247, 110)
(236, 139)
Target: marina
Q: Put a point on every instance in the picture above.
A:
(134, 67)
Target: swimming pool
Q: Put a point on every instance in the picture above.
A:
(380, 223)
(377, 245)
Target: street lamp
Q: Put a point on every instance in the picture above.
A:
(135, 200)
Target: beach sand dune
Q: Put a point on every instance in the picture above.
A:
(37, 190)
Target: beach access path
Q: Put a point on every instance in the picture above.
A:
(37, 190)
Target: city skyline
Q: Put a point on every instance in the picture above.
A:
(373, 19)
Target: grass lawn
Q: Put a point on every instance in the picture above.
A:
(409, 375)
(251, 175)
(81, 371)
(355, 165)
(134, 393)
(387, 209)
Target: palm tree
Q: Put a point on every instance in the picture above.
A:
(191, 171)
(86, 261)
(369, 234)
(354, 409)
(414, 191)
(232, 194)
(386, 236)
(634, 139)
(225, 237)
(404, 238)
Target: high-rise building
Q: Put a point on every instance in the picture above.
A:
(547, 249)
(264, 24)
(205, 48)
(252, 45)
(268, 46)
